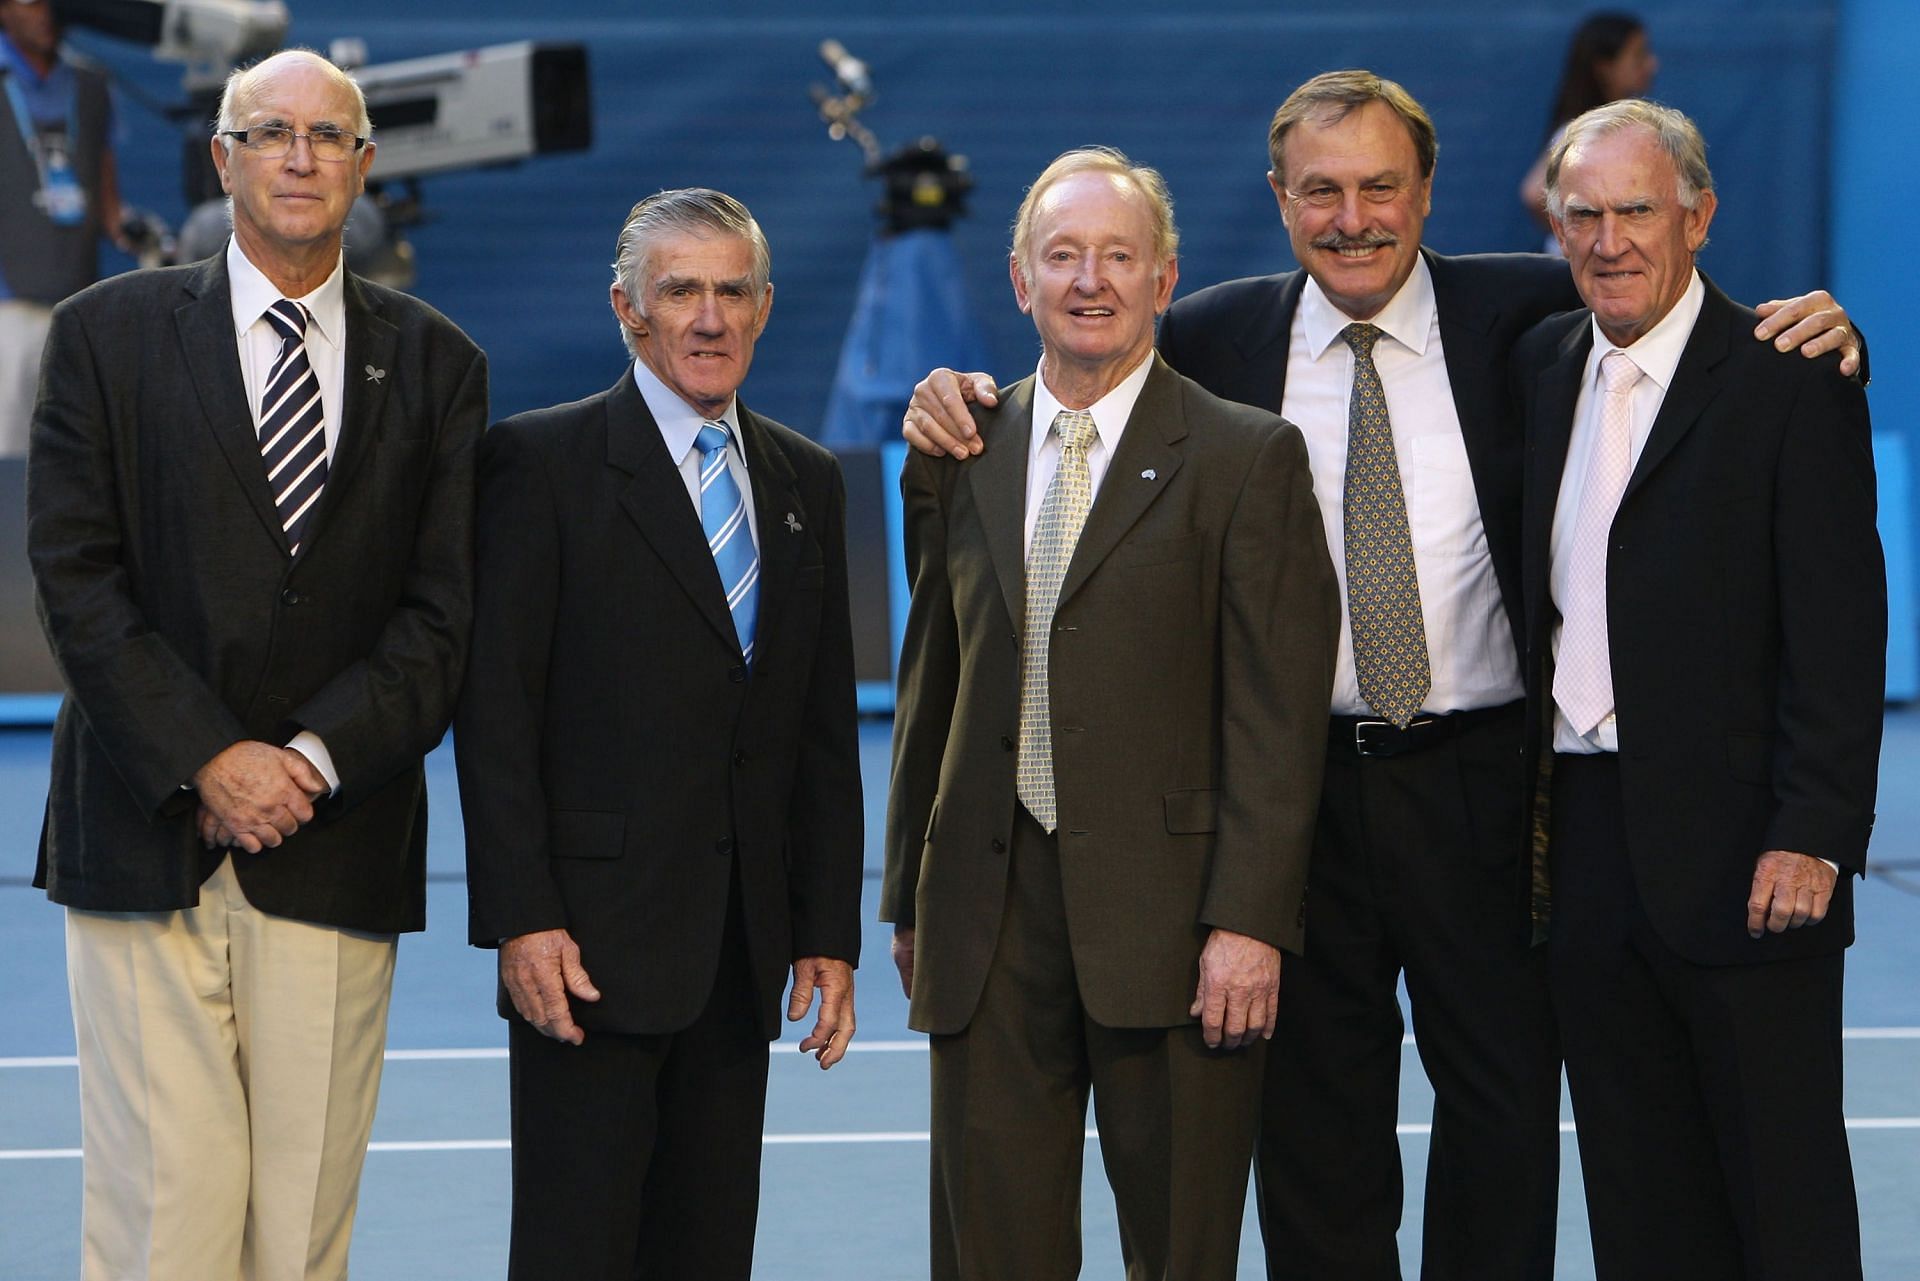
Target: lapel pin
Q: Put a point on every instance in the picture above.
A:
(1149, 474)
(375, 375)
(793, 523)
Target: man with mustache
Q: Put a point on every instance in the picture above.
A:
(1392, 360)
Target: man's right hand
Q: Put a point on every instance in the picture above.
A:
(937, 421)
(254, 794)
(903, 955)
(539, 971)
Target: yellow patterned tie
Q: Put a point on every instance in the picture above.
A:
(1062, 512)
(1383, 592)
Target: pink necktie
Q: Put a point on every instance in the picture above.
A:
(1583, 673)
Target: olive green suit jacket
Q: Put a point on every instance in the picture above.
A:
(1190, 666)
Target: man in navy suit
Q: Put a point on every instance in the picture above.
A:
(1417, 867)
(659, 767)
(1706, 627)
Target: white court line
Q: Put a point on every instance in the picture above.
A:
(822, 1139)
(916, 1046)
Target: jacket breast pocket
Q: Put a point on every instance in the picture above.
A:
(1192, 810)
(586, 833)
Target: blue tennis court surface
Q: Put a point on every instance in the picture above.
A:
(845, 1175)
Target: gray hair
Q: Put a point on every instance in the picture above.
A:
(242, 86)
(1675, 134)
(1109, 160)
(697, 211)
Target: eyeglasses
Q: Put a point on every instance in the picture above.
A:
(270, 142)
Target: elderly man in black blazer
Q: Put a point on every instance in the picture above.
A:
(659, 767)
(1706, 610)
(249, 517)
(1417, 866)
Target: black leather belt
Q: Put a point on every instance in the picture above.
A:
(1366, 736)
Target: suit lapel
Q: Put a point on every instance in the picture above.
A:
(1466, 317)
(1695, 385)
(781, 516)
(371, 343)
(1557, 391)
(1266, 340)
(1140, 469)
(655, 499)
(998, 479)
(212, 361)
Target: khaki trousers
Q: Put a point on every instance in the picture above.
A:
(23, 332)
(229, 1065)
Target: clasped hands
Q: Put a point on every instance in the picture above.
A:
(541, 970)
(254, 795)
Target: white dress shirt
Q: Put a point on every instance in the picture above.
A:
(679, 424)
(1657, 354)
(1469, 643)
(1110, 414)
(251, 294)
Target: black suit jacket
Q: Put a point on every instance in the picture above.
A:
(1191, 663)
(1746, 601)
(1233, 340)
(617, 758)
(181, 625)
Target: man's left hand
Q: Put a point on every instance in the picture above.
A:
(1239, 993)
(1789, 890)
(833, 1029)
(1814, 323)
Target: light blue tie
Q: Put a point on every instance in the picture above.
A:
(723, 515)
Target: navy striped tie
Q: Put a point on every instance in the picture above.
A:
(723, 515)
(293, 436)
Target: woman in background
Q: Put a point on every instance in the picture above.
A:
(1608, 59)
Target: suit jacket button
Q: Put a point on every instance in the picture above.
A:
(999, 846)
(289, 597)
(739, 758)
(1006, 744)
(723, 846)
(737, 673)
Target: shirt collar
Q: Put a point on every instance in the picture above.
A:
(253, 293)
(1407, 318)
(1110, 412)
(1657, 352)
(678, 421)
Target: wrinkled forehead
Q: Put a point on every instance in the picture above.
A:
(1614, 168)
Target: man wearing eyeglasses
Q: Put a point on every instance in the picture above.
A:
(58, 195)
(250, 521)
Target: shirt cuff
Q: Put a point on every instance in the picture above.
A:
(1830, 863)
(308, 744)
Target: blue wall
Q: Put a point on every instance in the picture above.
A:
(519, 256)
(1876, 160)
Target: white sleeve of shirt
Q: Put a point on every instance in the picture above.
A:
(308, 744)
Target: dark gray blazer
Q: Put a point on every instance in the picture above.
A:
(181, 625)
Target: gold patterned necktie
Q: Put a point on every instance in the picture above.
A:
(1383, 591)
(1062, 512)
